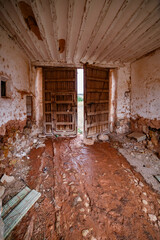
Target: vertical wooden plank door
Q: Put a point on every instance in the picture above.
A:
(60, 101)
(96, 100)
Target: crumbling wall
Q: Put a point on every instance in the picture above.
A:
(145, 89)
(123, 99)
(14, 66)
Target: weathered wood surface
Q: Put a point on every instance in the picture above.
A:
(96, 100)
(14, 217)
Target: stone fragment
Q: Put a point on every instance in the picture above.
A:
(93, 238)
(2, 189)
(64, 175)
(36, 205)
(103, 137)
(88, 141)
(42, 145)
(82, 210)
(13, 162)
(141, 184)
(144, 193)
(152, 217)
(7, 179)
(144, 202)
(85, 232)
(86, 204)
(77, 200)
(40, 135)
(35, 140)
(138, 136)
(144, 209)
(71, 183)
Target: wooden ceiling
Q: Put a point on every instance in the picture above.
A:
(106, 33)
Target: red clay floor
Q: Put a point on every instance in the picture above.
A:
(88, 192)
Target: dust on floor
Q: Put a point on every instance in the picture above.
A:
(88, 192)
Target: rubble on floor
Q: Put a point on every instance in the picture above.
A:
(138, 136)
(17, 144)
(139, 156)
(14, 149)
(98, 138)
(103, 137)
(84, 187)
(88, 141)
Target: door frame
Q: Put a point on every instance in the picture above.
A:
(85, 95)
(63, 132)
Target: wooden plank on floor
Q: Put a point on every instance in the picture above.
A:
(14, 217)
(14, 201)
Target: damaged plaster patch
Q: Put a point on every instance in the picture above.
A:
(29, 18)
(61, 45)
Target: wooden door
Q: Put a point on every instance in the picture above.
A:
(60, 101)
(96, 100)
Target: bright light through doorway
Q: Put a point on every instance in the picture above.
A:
(80, 97)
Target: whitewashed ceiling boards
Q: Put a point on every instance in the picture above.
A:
(72, 32)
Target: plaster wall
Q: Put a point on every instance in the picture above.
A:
(14, 66)
(39, 99)
(145, 89)
(123, 99)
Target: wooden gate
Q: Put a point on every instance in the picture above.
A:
(60, 101)
(96, 100)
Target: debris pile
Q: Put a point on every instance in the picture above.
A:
(137, 153)
(153, 142)
(16, 145)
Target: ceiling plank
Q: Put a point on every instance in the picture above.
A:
(12, 34)
(125, 13)
(13, 19)
(144, 38)
(41, 12)
(141, 15)
(87, 28)
(73, 32)
(143, 46)
(98, 25)
(81, 30)
(61, 7)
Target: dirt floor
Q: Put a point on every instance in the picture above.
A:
(88, 192)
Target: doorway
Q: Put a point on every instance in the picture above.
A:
(80, 100)
(60, 101)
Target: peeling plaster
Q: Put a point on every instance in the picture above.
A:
(15, 66)
(123, 99)
(145, 88)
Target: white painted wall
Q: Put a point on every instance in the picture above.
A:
(123, 99)
(39, 99)
(15, 66)
(145, 87)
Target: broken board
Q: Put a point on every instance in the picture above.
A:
(14, 201)
(137, 135)
(157, 177)
(14, 217)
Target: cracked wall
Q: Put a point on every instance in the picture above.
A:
(15, 67)
(122, 121)
(145, 89)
